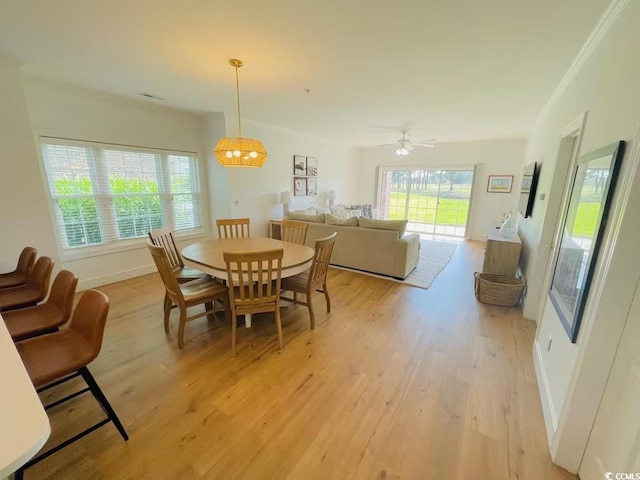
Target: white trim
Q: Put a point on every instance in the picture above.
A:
(548, 410)
(597, 34)
(115, 277)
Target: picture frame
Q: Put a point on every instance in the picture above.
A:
(583, 225)
(500, 183)
(299, 165)
(299, 186)
(312, 167)
(312, 186)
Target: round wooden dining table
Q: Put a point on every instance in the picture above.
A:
(207, 256)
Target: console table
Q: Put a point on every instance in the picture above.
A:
(502, 254)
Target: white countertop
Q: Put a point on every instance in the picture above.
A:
(494, 234)
(24, 425)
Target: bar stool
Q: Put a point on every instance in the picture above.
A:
(33, 291)
(54, 358)
(46, 317)
(19, 275)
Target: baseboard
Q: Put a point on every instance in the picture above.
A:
(550, 417)
(115, 277)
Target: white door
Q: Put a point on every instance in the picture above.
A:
(614, 444)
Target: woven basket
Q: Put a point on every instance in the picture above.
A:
(498, 289)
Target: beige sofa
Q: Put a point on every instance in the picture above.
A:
(378, 251)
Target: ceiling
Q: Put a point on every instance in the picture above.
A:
(455, 69)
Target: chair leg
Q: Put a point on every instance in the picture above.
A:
(234, 329)
(227, 308)
(106, 406)
(167, 311)
(312, 317)
(209, 306)
(279, 327)
(326, 296)
(181, 325)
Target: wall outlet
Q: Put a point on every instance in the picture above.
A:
(549, 344)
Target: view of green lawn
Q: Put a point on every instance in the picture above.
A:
(584, 225)
(422, 209)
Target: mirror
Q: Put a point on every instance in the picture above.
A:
(584, 224)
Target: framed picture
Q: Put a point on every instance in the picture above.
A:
(312, 167)
(585, 218)
(500, 183)
(312, 186)
(299, 165)
(299, 186)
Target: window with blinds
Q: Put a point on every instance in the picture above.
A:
(103, 194)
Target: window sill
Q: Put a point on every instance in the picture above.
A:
(122, 246)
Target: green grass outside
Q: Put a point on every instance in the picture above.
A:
(584, 225)
(422, 209)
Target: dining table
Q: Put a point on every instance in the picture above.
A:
(207, 256)
(24, 425)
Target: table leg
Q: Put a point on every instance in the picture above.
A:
(247, 320)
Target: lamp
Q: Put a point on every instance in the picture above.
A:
(331, 196)
(285, 199)
(239, 151)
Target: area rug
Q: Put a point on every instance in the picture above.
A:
(434, 257)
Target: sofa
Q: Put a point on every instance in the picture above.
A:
(375, 250)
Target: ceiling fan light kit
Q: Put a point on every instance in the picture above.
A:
(239, 151)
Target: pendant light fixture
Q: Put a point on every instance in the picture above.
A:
(238, 151)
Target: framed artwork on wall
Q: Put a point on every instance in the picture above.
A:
(312, 186)
(500, 183)
(585, 219)
(312, 167)
(299, 186)
(299, 165)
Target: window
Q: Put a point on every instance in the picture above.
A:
(105, 194)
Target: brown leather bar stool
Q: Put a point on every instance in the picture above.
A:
(19, 275)
(46, 317)
(34, 291)
(54, 358)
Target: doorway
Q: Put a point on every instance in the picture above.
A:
(433, 201)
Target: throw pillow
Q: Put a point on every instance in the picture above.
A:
(353, 212)
(396, 225)
(305, 211)
(324, 210)
(347, 222)
(305, 218)
(338, 211)
(367, 209)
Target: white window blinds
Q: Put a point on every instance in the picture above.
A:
(103, 194)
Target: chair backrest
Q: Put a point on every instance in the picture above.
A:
(89, 319)
(62, 292)
(40, 276)
(321, 258)
(163, 237)
(254, 278)
(26, 260)
(294, 231)
(161, 259)
(233, 227)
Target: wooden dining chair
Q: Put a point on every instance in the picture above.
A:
(26, 260)
(254, 286)
(163, 237)
(32, 292)
(56, 358)
(46, 317)
(314, 279)
(294, 231)
(233, 227)
(184, 295)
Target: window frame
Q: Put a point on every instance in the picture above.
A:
(109, 228)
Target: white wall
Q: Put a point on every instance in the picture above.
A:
(65, 111)
(496, 157)
(255, 193)
(572, 376)
(24, 217)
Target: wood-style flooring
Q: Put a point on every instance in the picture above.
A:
(395, 383)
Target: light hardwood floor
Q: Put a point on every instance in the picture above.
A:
(395, 383)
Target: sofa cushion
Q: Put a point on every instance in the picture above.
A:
(305, 211)
(347, 222)
(305, 218)
(396, 225)
(320, 210)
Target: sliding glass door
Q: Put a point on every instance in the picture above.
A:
(434, 201)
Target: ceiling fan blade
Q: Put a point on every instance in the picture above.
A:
(428, 145)
(388, 144)
(409, 146)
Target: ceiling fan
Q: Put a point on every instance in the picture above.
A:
(405, 145)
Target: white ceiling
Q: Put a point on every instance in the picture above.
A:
(459, 69)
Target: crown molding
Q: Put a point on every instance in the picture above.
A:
(608, 18)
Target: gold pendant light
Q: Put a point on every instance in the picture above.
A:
(238, 151)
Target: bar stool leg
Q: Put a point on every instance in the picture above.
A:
(97, 393)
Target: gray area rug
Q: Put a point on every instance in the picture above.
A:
(434, 257)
